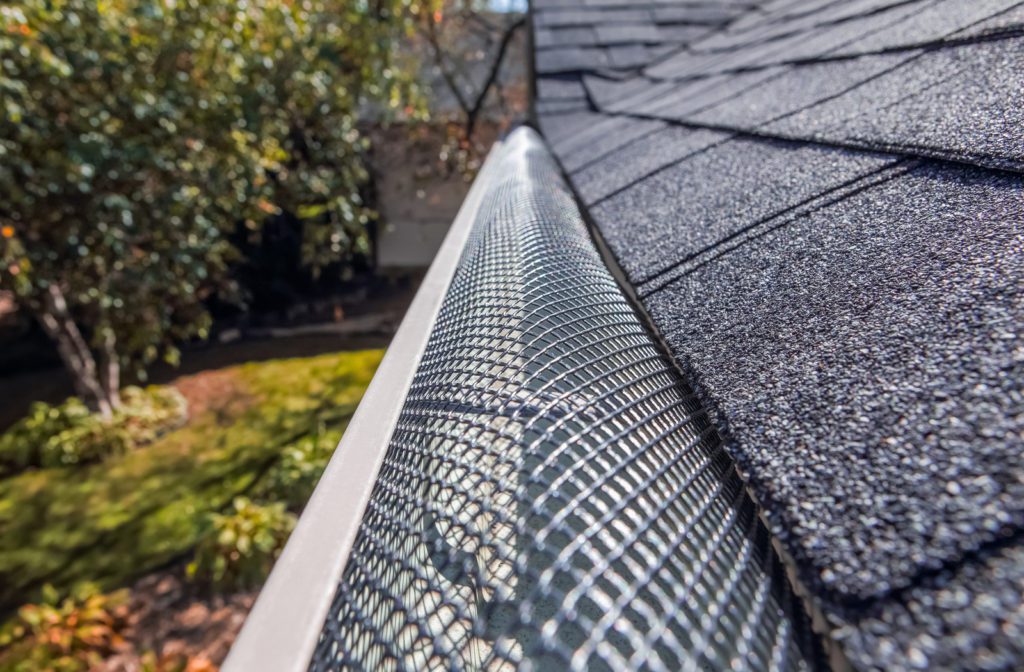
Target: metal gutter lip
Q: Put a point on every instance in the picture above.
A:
(284, 625)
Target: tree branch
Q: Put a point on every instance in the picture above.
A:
(492, 76)
(442, 66)
(471, 110)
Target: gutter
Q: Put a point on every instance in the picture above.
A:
(554, 495)
(284, 625)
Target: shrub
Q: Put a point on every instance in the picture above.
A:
(301, 464)
(69, 635)
(240, 546)
(68, 434)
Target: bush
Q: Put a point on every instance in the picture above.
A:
(70, 635)
(240, 547)
(68, 434)
(302, 463)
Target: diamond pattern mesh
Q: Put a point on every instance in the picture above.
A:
(553, 497)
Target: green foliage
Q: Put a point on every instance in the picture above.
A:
(68, 434)
(295, 476)
(239, 547)
(115, 521)
(136, 134)
(69, 635)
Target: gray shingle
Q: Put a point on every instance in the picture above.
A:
(691, 205)
(617, 133)
(563, 128)
(937, 21)
(684, 99)
(796, 88)
(853, 320)
(607, 92)
(626, 33)
(640, 158)
(561, 106)
(680, 33)
(964, 618)
(1009, 21)
(592, 128)
(569, 59)
(688, 64)
(552, 4)
(869, 362)
(643, 90)
(835, 39)
(705, 15)
(965, 103)
(566, 17)
(629, 56)
(565, 37)
(808, 18)
(597, 15)
(559, 88)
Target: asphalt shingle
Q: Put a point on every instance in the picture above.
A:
(963, 103)
(563, 128)
(607, 92)
(706, 15)
(639, 159)
(868, 361)
(819, 203)
(559, 88)
(612, 135)
(565, 37)
(796, 88)
(681, 100)
(569, 59)
(963, 618)
(941, 20)
(626, 33)
(679, 211)
(628, 56)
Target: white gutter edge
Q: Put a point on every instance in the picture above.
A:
(281, 631)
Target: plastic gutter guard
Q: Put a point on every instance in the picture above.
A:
(545, 494)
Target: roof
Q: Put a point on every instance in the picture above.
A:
(819, 204)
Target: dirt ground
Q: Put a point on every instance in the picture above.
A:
(169, 619)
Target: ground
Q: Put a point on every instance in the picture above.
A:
(134, 520)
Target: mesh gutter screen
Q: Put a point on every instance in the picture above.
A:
(553, 496)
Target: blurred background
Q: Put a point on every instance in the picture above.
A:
(213, 216)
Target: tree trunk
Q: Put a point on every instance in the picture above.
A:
(110, 370)
(56, 320)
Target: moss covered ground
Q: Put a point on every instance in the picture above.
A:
(131, 514)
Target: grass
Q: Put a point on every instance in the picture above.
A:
(112, 522)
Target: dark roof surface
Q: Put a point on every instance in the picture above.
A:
(820, 205)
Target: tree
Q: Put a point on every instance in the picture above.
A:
(136, 134)
(469, 47)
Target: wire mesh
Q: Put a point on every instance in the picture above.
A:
(553, 497)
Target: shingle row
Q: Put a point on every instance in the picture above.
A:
(819, 203)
